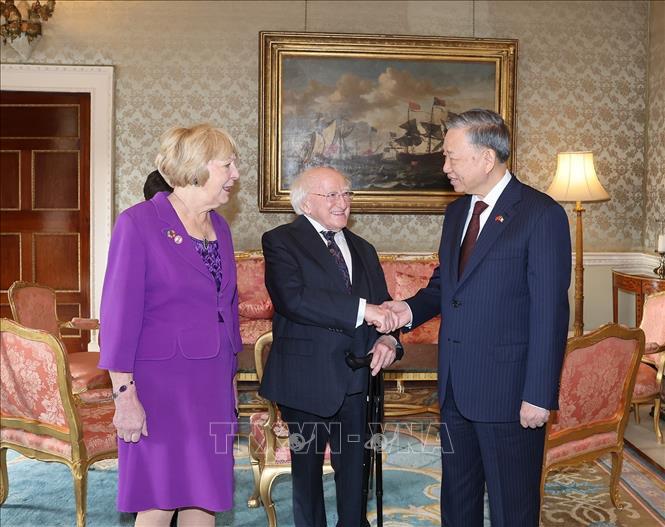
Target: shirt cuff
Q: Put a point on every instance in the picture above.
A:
(408, 326)
(360, 319)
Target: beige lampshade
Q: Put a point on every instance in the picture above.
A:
(575, 179)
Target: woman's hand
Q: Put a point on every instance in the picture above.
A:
(129, 419)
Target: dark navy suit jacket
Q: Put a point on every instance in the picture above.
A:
(505, 320)
(314, 325)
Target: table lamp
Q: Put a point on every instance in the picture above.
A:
(576, 181)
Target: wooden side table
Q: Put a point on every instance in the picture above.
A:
(640, 284)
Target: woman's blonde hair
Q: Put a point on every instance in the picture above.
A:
(184, 153)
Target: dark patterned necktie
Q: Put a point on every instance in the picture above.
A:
(336, 253)
(471, 235)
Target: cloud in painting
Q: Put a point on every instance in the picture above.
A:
(382, 101)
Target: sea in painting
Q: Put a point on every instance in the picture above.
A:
(380, 122)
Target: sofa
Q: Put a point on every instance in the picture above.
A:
(405, 274)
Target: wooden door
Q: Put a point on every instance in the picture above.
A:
(45, 200)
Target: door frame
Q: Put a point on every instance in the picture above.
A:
(98, 81)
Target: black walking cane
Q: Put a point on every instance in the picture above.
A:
(372, 455)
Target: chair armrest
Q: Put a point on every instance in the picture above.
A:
(93, 397)
(653, 347)
(85, 324)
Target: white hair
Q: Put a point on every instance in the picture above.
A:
(303, 184)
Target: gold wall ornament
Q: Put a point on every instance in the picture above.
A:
(14, 24)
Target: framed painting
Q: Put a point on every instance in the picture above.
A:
(374, 107)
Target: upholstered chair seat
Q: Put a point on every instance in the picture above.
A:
(42, 418)
(581, 447)
(99, 436)
(597, 380)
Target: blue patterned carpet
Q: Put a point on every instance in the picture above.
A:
(41, 494)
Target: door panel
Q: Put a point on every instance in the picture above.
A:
(45, 199)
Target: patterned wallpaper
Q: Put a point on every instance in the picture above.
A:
(655, 181)
(582, 72)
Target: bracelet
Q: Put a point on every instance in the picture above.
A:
(121, 389)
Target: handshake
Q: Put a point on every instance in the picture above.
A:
(389, 316)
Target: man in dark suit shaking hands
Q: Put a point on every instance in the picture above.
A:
(325, 283)
(501, 289)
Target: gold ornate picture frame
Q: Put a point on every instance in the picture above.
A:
(373, 107)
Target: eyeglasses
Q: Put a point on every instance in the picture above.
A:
(332, 197)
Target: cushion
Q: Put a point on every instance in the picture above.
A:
(572, 449)
(251, 280)
(256, 308)
(645, 383)
(84, 371)
(251, 330)
(408, 284)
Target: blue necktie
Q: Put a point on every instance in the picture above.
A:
(336, 253)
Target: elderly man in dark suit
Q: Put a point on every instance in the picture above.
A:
(325, 283)
(501, 290)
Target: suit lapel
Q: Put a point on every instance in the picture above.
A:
(305, 234)
(173, 228)
(500, 217)
(361, 284)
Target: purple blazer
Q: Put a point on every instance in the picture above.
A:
(159, 298)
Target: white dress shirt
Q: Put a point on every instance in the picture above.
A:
(490, 199)
(340, 240)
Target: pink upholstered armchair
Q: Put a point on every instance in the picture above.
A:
(269, 453)
(649, 382)
(39, 415)
(34, 306)
(596, 385)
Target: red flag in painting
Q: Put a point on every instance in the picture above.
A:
(414, 106)
(438, 102)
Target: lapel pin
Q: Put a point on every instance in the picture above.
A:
(170, 233)
(499, 218)
(178, 239)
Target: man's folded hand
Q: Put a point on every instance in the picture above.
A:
(401, 310)
(384, 320)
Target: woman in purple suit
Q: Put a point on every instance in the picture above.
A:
(170, 336)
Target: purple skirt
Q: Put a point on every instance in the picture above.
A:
(187, 458)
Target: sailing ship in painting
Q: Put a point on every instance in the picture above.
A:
(409, 157)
